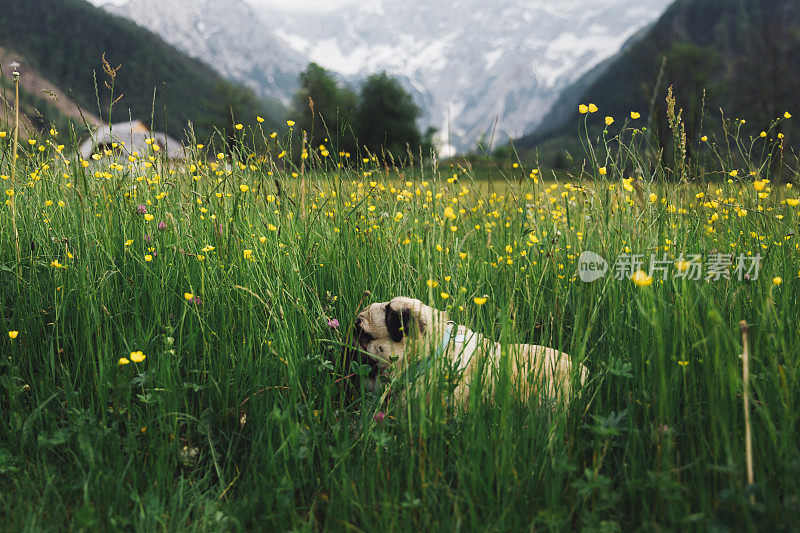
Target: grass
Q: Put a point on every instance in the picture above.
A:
(238, 417)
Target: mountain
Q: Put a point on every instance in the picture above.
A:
(43, 103)
(741, 54)
(225, 34)
(65, 40)
(469, 63)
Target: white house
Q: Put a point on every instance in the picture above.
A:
(129, 137)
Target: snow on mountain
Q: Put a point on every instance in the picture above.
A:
(226, 34)
(478, 69)
(469, 63)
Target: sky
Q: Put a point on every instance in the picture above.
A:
(281, 5)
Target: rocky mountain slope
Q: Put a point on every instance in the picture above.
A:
(475, 67)
(479, 70)
(738, 55)
(225, 34)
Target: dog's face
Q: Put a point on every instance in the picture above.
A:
(383, 330)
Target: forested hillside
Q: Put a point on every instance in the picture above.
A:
(64, 40)
(738, 55)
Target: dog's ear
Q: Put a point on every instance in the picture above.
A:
(398, 322)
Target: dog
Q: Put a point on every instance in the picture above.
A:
(404, 338)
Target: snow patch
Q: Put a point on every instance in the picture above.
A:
(491, 58)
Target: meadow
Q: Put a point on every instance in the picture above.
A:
(172, 336)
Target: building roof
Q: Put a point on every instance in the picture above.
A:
(130, 137)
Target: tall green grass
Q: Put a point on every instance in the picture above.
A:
(241, 417)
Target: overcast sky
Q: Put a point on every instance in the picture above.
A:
(284, 5)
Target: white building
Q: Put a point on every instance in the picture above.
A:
(129, 137)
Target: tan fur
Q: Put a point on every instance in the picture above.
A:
(534, 371)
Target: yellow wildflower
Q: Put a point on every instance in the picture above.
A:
(641, 279)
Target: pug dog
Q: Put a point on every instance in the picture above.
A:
(406, 338)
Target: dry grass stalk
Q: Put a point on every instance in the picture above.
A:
(748, 439)
(14, 167)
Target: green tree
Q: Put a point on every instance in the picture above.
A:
(228, 105)
(385, 118)
(695, 73)
(429, 141)
(323, 109)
